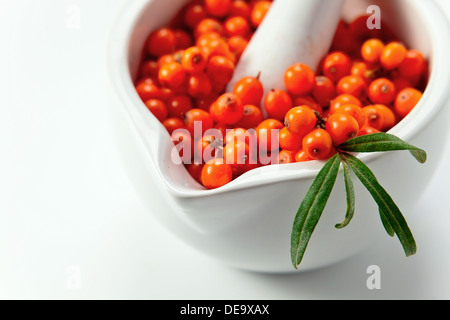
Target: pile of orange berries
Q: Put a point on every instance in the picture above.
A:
(367, 83)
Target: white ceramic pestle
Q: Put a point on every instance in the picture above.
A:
(292, 31)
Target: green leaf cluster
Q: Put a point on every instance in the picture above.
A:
(316, 198)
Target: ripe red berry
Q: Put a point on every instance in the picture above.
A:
(393, 55)
(354, 85)
(172, 75)
(342, 127)
(267, 130)
(336, 66)
(216, 173)
(228, 109)
(318, 144)
(196, 117)
(324, 91)
(162, 41)
(277, 103)
(300, 79)
(250, 90)
(406, 100)
(193, 60)
(290, 141)
(382, 91)
(300, 120)
(218, 8)
(251, 117)
(158, 108)
(179, 105)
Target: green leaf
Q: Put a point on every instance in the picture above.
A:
(312, 207)
(350, 192)
(386, 224)
(381, 142)
(387, 207)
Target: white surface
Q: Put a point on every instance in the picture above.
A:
(65, 200)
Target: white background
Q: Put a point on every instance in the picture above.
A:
(66, 201)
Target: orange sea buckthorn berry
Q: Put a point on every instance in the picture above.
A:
(318, 144)
(364, 71)
(355, 111)
(365, 130)
(228, 109)
(183, 39)
(342, 127)
(251, 118)
(310, 102)
(371, 50)
(324, 91)
(158, 108)
(204, 39)
(167, 94)
(162, 41)
(218, 47)
(277, 103)
(300, 120)
(197, 115)
(413, 65)
(259, 11)
(406, 100)
(148, 90)
(301, 156)
(393, 55)
(250, 90)
(342, 100)
(237, 46)
(172, 124)
(382, 91)
(199, 85)
(336, 65)
(179, 105)
(237, 26)
(290, 141)
(208, 25)
(240, 8)
(374, 117)
(165, 59)
(193, 60)
(216, 173)
(354, 85)
(300, 79)
(389, 118)
(264, 132)
(172, 75)
(194, 13)
(220, 69)
(286, 156)
(218, 8)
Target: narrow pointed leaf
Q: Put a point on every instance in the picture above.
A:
(350, 193)
(386, 224)
(386, 205)
(381, 142)
(312, 207)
